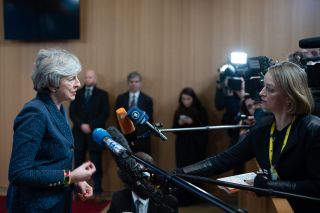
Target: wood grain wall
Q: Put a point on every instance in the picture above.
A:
(173, 43)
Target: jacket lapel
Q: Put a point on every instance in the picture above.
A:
(292, 139)
(59, 117)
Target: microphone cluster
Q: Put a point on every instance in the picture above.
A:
(136, 175)
(138, 117)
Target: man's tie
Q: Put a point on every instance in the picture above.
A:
(87, 94)
(138, 205)
(133, 101)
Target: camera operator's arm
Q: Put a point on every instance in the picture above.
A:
(223, 91)
(241, 92)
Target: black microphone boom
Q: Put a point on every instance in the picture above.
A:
(205, 128)
(132, 160)
(141, 118)
(309, 43)
(270, 192)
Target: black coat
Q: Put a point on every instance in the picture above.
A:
(144, 103)
(190, 145)
(122, 201)
(95, 112)
(298, 162)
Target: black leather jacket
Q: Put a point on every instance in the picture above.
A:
(297, 164)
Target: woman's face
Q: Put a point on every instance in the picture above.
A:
(273, 98)
(250, 105)
(186, 100)
(68, 88)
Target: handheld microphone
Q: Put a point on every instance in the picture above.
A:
(122, 151)
(144, 189)
(125, 123)
(141, 118)
(103, 138)
(126, 126)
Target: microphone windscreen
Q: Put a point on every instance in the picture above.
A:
(137, 115)
(125, 123)
(99, 134)
(118, 137)
(307, 43)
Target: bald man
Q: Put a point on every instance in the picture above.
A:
(88, 111)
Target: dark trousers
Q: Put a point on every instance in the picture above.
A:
(96, 159)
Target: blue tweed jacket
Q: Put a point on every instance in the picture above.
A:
(42, 148)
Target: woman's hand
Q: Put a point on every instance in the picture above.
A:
(83, 172)
(84, 190)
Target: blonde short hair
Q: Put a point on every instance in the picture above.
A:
(293, 81)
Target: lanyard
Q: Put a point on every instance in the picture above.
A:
(271, 144)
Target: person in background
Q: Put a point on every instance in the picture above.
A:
(88, 111)
(135, 197)
(190, 146)
(228, 98)
(134, 97)
(247, 108)
(285, 144)
(41, 175)
(312, 67)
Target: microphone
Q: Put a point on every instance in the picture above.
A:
(126, 125)
(144, 189)
(122, 150)
(136, 178)
(102, 137)
(309, 43)
(140, 117)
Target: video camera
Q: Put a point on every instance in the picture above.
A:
(311, 62)
(232, 76)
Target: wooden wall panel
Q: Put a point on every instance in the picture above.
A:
(173, 43)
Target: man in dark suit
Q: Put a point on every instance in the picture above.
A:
(139, 196)
(88, 111)
(134, 97)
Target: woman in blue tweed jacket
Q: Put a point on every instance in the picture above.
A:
(40, 172)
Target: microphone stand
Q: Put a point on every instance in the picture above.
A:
(188, 186)
(205, 128)
(269, 192)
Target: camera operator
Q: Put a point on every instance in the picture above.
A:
(229, 93)
(309, 60)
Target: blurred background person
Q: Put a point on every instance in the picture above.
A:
(190, 146)
(247, 109)
(40, 171)
(88, 111)
(285, 144)
(229, 93)
(135, 97)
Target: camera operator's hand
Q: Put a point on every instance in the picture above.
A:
(228, 91)
(241, 92)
